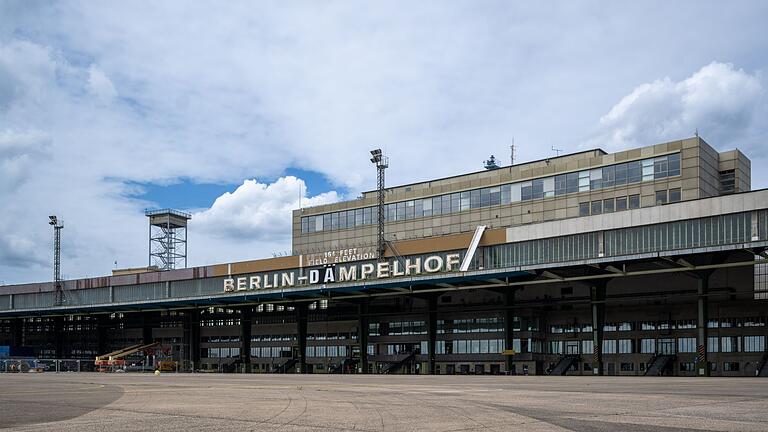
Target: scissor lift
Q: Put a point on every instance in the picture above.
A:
(108, 362)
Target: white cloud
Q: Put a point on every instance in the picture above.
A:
(257, 212)
(100, 84)
(726, 105)
(109, 92)
(19, 153)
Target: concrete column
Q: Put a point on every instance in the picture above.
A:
(17, 332)
(509, 328)
(147, 324)
(301, 335)
(431, 333)
(102, 334)
(246, 314)
(193, 324)
(702, 286)
(598, 320)
(58, 334)
(362, 334)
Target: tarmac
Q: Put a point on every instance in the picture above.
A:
(202, 402)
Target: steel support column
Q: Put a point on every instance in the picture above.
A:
(246, 314)
(598, 320)
(702, 287)
(432, 333)
(301, 335)
(362, 334)
(509, 327)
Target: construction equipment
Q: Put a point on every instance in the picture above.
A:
(107, 362)
(168, 366)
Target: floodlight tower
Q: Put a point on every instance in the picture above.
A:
(382, 163)
(167, 238)
(57, 282)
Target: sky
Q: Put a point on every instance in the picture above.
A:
(239, 112)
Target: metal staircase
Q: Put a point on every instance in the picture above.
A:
(286, 366)
(658, 365)
(564, 364)
(396, 366)
(341, 367)
(762, 371)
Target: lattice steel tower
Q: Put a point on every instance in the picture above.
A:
(58, 284)
(382, 163)
(167, 238)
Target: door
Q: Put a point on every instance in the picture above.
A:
(667, 346)
(571, 347)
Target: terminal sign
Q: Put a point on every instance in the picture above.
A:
(345, 273)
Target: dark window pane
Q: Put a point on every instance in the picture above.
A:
(597, 207)
(537, 189)
(621, 174)
(526, 193)
(485, 197)
(608, 205)
(495, 195)
(436, 205)
(661, 197)
(674, 195)
(572, 182)
(634, 172)
(673, 164)
(584, 209)
(455, 202)
(621, 203)
(474, 198)
(634, 201)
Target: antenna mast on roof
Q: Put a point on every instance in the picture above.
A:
(512, 152)
(557, 151)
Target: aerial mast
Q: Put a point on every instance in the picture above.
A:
(58, 285)
(382, 163)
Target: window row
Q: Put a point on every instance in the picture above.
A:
(582, 181)
(702, 232)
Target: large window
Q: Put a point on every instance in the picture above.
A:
(625, 346)
(686, 345)
(754, 343)
(594, 179)
(729, 344)
(609, 346)
(648, 346)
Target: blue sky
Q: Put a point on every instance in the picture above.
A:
(242, 111)
(186, 194)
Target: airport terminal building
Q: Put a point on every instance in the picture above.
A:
(647, 261)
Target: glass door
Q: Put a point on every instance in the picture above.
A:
(667, 346)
